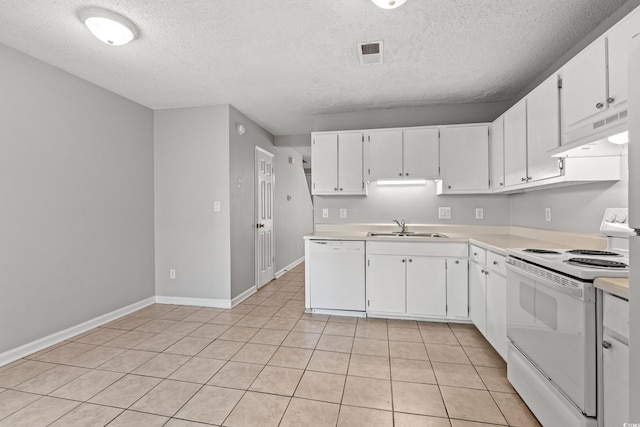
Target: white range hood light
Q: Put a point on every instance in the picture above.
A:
(402, 182)
(388, 4)
(620, 139)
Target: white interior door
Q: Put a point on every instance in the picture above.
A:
(265, 242)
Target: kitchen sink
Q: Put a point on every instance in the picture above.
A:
(406, 234)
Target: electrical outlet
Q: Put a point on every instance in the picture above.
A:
(325, 213)
(444, 213)
(547, 214)
(172, 274)
(216, 206)
(343, 212)
(479, 213)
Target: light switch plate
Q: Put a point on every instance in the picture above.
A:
(444, 212)
(547, 214)
(479, 213)
(325, 213)
(216, 206)
(343, 212)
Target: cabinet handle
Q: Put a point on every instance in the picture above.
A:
(495, 262)
(406, 174)
(400, 174)
(457, 262)
(523, 179)
(501, 184)
(410, 260)
(475, 254)
(599, 105)
(341, 189)
(486, 272)
(529, 178)
(611, 100)
(335, 188)
(449, 187)
(606, 344)
(404, 260)
(482, 271)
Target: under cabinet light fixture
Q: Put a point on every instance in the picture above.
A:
(388, 4)
(109, 27)
(402, 182)
(620, 138)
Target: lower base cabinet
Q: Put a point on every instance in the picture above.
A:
(405, 279)
(615, 361)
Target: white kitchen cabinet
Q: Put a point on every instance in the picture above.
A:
(615, 361)
(496, 288)
(421, 153)
(386, 283)
(496, 148)
(515, 144)
(417, 279)
(384, 154)
(426, 286)
(478, 296)
(584, 85)
(618, 43)
(464, 159)
(457, 288)
(403, 154)
(337, 163)
(543, 130)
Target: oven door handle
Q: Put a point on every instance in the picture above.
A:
(568, 290)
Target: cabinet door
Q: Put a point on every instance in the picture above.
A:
(384, 149)
(584, 85)
(426, 286)
(464, 158)
(543, 130)
(515, 144)
(386, 276)
(421, 153)
(457, 288)
(615, 361)
(324, 158)
(496, 143)
(350, 163)
(497, 313)
(618, 43)
(478, 296)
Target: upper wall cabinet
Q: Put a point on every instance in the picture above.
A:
(594, 85)
(464, 158)
(402, 154)
(337, 163)
(515, 144)
(496, 148)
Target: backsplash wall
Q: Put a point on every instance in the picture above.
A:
(415, 204)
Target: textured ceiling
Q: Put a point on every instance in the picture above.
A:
(281, 62)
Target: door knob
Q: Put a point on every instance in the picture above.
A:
(606, 344)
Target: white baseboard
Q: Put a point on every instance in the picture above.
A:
(204, 302)
(243, 296)
(289, 267)
(44, 342)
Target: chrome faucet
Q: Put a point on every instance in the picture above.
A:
(401, 224)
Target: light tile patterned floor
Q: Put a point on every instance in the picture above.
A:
(263, 363)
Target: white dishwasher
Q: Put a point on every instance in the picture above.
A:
(336, 272)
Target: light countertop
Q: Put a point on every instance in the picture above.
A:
(617, 287)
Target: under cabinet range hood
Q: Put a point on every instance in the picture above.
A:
(610, 141)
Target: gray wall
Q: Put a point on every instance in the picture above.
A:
(242, 160)
(76, 200)
(191, 172)
(410, 116)
(415, 204)
(577, 208)
(293, 218)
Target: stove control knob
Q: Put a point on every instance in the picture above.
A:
(610, 218)
(621, 218)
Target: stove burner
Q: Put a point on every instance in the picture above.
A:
(592, 252)
(600, 263)
(541, 251)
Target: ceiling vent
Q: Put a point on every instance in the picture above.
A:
(370, 53)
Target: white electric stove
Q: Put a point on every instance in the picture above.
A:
(551, 323)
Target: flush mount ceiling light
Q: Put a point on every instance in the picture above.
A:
(109, 27)
(388, 4)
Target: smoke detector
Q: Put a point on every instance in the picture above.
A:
(370, 53)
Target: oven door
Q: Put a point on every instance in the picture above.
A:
(553, 325)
